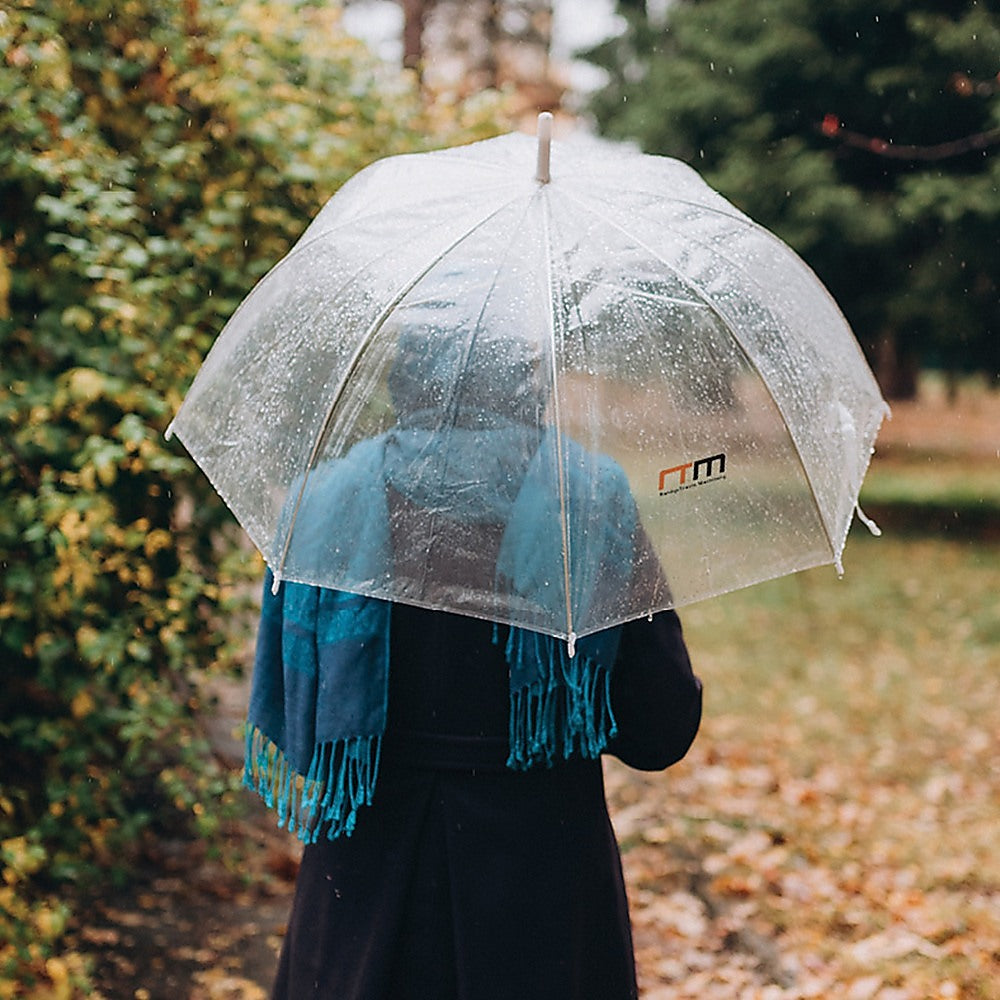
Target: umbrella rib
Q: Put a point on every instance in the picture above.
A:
(731, 327)
(638, 293)
(560, 471)
(727, 210)
(352, 366)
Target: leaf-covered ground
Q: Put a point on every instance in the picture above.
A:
(833, 831)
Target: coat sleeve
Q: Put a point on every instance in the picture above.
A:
(655, 695)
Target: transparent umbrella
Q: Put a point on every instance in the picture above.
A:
(640, 395)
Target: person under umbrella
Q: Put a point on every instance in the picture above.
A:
(444, 769)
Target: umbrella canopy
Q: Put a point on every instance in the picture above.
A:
(647, 398)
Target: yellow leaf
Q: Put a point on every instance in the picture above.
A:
(50, 924)
(56, 970)
(107, 473)
(22, 858)
(85, 384)
(82, 705)
(4, 287)
(72, 526)
(77, 316)
(86, 635)
(156, 540)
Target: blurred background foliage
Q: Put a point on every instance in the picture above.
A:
(156, 158)
(865, 135)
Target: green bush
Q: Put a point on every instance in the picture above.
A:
(156, 158)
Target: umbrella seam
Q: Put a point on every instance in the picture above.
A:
(557, 421)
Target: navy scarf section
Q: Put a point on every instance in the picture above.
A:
(319, 695)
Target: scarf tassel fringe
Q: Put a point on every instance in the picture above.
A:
(574, 700)
(341, 779)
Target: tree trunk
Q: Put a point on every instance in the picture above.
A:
(896, 370)
(414, 17)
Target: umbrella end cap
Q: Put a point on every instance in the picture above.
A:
(542, 173)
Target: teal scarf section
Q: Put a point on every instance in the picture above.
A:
(320, 685)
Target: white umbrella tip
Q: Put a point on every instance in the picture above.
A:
(544, 146)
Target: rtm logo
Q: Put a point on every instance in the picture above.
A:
(704, 470)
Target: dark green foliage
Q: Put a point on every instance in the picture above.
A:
(802, 113)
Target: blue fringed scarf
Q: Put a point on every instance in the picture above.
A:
(320, 685)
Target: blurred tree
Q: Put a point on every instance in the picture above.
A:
(156, 158)
(865, 135)
(414, 19)
(467, 46)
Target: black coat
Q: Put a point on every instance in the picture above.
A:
(466, 880)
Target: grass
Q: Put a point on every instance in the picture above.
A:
(929, 492)
(914, 621)
(945, 480)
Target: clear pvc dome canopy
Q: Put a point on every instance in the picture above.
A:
(560, 396)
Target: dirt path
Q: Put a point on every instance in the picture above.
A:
(190, 928)
(186, 937)
(969, 425)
